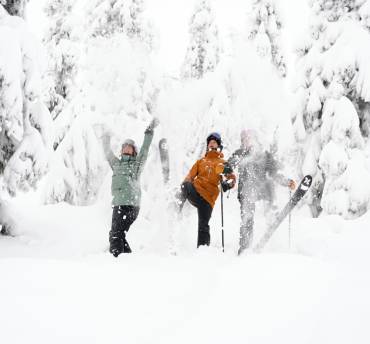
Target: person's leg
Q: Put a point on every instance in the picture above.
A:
(192, 195)
(247, 209)
(204, 215)
(116, 234)
(182, 195)
(122, 219)
(188, 192)
(130, 214)
(268, 197)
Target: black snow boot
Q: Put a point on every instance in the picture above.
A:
(204, 238)
(116, 246)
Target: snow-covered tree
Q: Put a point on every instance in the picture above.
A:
(108, 17)
(62, 52)
(25, 123)
(115, 90)
(264, 26)
(203, 52)
(15, 7)
(331, 119)
(363, 10)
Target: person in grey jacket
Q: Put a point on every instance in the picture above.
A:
(126, 190)
(258, 170)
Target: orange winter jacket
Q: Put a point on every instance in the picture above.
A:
(205, 176)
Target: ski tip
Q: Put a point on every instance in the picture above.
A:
(163, 144)
(306, 182)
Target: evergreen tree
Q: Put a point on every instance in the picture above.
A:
(334, 92)
(62, 40)
(15, 7)
(26, 128)
(108, 17)
(363, 10)
(63, 54)
(265, 26)
(115, 89)
(203, 53)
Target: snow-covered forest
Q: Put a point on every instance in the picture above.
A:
(72, 72)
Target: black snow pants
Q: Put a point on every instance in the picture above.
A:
(189, 193)
(123, 217)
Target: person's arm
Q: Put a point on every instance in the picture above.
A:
(230, 178)
(192, 173)
(144, 150)
(108, 151)
(272, 167)
(236, 157)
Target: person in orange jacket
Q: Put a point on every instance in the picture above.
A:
(201, 185)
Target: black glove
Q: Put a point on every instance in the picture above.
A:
(225, 186)
(227, 168)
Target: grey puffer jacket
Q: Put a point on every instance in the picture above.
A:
(257, 172)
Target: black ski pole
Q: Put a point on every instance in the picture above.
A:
(222, 218)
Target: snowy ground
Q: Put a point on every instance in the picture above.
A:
(58, 284)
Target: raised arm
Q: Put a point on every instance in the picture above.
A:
(144, 150)
(272, 167)
(108, 151)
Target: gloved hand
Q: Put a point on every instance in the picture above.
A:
(227, 185)
(153, 124)
(227, 168)
(292, 184)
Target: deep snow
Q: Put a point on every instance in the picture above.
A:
(58, 284)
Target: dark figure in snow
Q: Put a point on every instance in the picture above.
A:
(258, 170)
(126, 190)
(201, 185)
